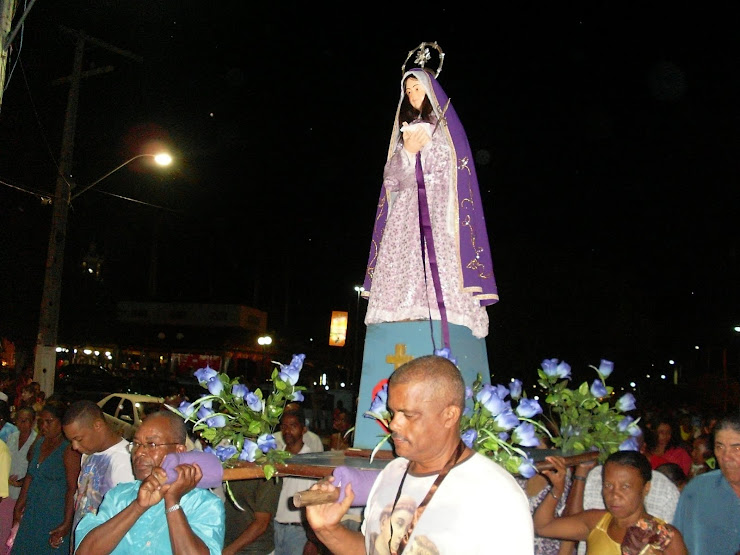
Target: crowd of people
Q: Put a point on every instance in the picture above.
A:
(69, 483)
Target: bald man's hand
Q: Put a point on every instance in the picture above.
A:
(152, 489)
(188, 476)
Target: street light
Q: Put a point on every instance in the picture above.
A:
(45, 356)
(162, 159)
(264, 341)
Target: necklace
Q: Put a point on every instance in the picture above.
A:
(454, 458)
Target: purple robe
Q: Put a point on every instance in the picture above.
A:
(458, 225)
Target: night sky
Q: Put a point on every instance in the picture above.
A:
(607, 147)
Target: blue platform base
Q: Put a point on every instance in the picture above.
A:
(388, 345)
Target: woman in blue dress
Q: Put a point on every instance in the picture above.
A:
(45, 506)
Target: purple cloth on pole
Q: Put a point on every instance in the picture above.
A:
(473, 247)
(362, 482)
(210, 465)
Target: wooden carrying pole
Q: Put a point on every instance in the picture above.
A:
(250, 471)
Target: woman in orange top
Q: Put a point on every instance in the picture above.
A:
(625, 527)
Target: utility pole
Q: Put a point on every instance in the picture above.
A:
(7, 12)
(46, 340)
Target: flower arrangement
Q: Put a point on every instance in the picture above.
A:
(584, 418)
(492, 427)
(503, 421)
(500, 431)
(239, 423)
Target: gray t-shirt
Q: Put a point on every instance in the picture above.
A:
(254, 496)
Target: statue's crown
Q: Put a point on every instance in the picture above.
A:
(422, 56)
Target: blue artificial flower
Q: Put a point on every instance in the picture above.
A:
(468, 392)
(266, 442)
(626, 403)
(598, 389)
(204, 411)
(629, 444)
(297, 361)
(625, 423)
(205, 374)
(378, 406)
(469, 436)
(289, 373)
(253, 402)
(488, 398)
(186, 409)
(297, 396)
(225, 452)
(501, 391)
(524, 435)
(506, 420)
(631, 427)
(249, 451)
(553, 367)
(528, 408)
(215, 386)
(527, 468)
(606, 368)
(503, 436)
(239, 390)
(218, 421)
(446, 353)
(515, 388)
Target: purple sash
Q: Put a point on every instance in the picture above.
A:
(426, 235)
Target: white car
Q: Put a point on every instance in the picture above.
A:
(125, 411)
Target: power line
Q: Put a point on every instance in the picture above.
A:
(139, 201)
(46, 198)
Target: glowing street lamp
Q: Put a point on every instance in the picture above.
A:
(161, 158)
(46, 339)
(264, 341)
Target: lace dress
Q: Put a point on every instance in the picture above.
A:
(546, 546)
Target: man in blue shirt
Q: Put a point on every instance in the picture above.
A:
(150, 515)
(708, 511)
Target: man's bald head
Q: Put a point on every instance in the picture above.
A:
(438, 374)
(172, 423)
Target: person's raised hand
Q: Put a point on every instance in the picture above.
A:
(188, 476)
(584, 468)
(556, 476)
(152, 489)
(328, 515)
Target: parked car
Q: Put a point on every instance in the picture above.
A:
(75, 378)
(125, 411)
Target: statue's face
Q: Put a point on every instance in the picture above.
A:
(415, 92)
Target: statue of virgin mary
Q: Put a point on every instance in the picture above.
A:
(429, 258)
